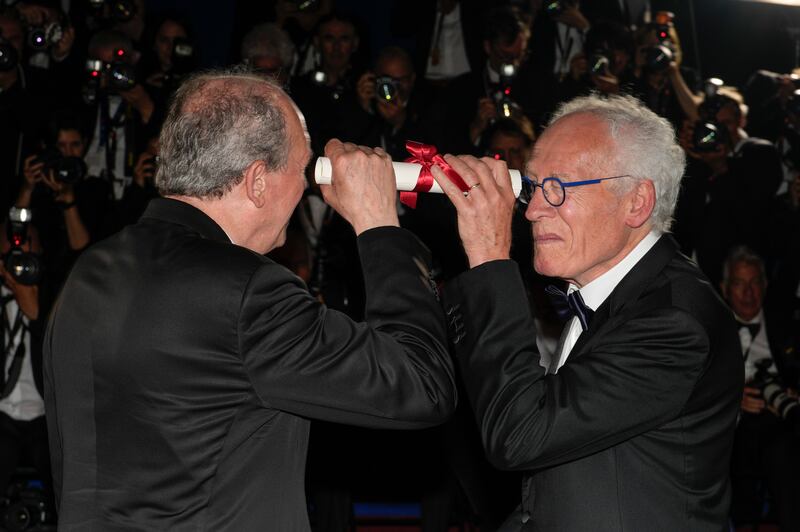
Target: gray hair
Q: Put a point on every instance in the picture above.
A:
(746, 255)
(219, 122)
(646, 147)
(268, 40)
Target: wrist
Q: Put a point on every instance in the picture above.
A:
(476, 259)
(65, 205)
(360, 227)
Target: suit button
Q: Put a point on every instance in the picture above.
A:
(526, 516)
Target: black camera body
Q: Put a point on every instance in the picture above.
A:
(115, 77)
(9, 58)
(68, 170)
(24, 266)
(600, 62)
(386, 88)
(708, 136)
(657, 58)
(43, 37)
(505, 104)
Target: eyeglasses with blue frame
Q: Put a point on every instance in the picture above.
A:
(554, 189)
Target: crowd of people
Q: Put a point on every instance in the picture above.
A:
(84, 95)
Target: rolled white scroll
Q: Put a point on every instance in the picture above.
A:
(406, 175)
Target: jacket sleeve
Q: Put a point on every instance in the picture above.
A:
(633, 378)
(392, 371)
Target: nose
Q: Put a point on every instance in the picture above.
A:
(538, 207)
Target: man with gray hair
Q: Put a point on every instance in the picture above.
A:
(183, 366)
(268, 49)
(629, 426)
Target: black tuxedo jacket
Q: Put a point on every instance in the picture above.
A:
(634, 432)
(181, 370)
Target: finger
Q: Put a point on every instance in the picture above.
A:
(450, 189)
(472, 171)
(333, 148)
(500, 173)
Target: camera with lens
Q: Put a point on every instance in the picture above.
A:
(709, 135)
(23, 266)
(506, 106)
(117, 76)
(67, 170)
(773, 392)
(386, 88)
(600, 62)
(182, 63)
(9, 58)
(657, 58)
(43, 37)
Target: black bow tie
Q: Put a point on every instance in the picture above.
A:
(752, 327)
(570, 305)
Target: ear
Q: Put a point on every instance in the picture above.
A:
(487, 47)
(641, 202)
(356, 42)
(255, 182)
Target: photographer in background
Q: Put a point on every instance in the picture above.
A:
(25, 101)
(121, 112)
(327, 93)
(391, 109)
(268, 50)
(501, 88)
(764, 446)
(23, 307)
(729, 187)
(662, 82)
(71, 208)
(170, 59)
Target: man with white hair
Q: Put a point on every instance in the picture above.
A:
(630, 425)
(268, 49)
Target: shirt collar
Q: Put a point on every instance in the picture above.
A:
(758, 318)
(595, 292)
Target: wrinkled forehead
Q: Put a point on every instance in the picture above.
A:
(574, 144)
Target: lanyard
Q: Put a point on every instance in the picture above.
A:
(11, 377)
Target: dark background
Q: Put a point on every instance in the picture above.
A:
(731, 38)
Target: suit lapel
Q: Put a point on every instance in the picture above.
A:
(629, 289)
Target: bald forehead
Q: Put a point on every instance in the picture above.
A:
(212, 90)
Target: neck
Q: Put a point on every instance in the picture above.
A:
(636, 236)
(220, 211)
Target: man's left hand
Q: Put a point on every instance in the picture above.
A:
(485, 211)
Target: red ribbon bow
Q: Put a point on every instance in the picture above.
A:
(426, 155)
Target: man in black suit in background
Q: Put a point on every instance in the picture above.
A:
(629, 426)
(181, 365)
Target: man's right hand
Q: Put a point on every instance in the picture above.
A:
(363, 188)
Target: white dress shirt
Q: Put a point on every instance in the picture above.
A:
(755, 348)
(449, 39)
(24, 402)
(597, 291)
